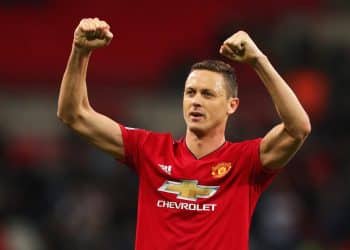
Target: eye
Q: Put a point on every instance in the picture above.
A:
(207, 93)
(190, 92)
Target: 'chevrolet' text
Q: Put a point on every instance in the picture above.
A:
(186, 206)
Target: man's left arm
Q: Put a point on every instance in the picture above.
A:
(281, 143)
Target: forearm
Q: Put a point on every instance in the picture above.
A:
(73, 92)
(289, 109)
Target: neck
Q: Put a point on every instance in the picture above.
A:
(201, 145)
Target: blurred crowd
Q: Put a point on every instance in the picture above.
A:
(57, 192)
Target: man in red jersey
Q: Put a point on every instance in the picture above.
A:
(199, 192)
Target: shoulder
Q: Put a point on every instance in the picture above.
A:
(145, 135)
(161, 136)
(245, 144)
(246, 149)
(246, 154)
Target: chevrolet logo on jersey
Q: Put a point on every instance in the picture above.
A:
(188, 189)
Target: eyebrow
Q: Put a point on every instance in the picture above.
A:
(189, 88)
(201, 90)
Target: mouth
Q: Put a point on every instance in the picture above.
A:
(196, 116)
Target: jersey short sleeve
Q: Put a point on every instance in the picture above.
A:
(260, 176)
(133, 140)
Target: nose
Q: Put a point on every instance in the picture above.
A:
(197, 101)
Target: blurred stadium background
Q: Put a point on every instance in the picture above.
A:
(59, 193)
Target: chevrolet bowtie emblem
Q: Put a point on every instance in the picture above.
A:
(188, 189)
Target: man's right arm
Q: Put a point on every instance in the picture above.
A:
(74, 108)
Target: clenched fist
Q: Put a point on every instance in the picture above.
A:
(92, 33)
(241, 48)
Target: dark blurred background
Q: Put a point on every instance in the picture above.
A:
(59, 193)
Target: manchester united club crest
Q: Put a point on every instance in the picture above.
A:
(221, 169)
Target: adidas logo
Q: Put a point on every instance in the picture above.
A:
(166, 168)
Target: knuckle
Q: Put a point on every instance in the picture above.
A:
(82, 22)
(105, 24)
(228, 41)
(100, 24)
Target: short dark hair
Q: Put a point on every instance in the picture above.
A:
(223, 68)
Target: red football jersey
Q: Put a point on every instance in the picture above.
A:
(187, 203)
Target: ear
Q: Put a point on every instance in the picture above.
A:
(233, 104)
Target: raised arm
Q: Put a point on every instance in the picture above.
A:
(281, 143)
(73, 104)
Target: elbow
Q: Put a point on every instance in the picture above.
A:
(59, 114)
(300, 130)
(304, 130)
(66, 117)
(308, 128)
(70, 115)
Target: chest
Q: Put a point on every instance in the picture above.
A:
(176, 163)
